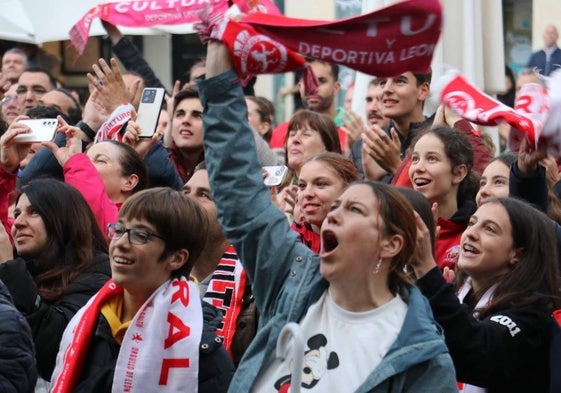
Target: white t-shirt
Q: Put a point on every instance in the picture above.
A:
(343, 347)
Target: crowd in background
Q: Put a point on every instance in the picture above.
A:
(402, 253)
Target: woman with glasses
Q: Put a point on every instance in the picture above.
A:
(60, 262)
(147, 330)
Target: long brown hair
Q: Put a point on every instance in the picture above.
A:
(73, 235)
(534, 279)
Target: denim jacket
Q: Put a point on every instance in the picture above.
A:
(284, 272)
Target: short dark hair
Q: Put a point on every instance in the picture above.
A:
(75, 113)
(45, 112)
(52, 80)
(423, 77)
(177, 218)
(334, 67)
(189, 92)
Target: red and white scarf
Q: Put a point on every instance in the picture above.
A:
(527, 119)
(156, 13)
(225, 292)
(482, 303)
(385, 43)
(111, 129)
(159, 352)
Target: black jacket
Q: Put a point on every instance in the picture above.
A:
(18, 371)
(48, 320)
(215, 365)
(504, 352)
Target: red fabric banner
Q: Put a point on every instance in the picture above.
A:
(385, 43)
(142, 14)
(472, 104)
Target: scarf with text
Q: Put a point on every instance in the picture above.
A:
(527, 119)
(160, 350)
(225, 292)
(387, 42)
(114, 126)
(384, 43)
(156, 12)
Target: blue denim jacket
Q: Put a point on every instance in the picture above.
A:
(284, 272)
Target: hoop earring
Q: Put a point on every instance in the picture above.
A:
(378, 265)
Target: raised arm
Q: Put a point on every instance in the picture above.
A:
(251, 222)
(130, 56)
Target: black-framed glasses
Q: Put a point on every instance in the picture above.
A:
(136, 235)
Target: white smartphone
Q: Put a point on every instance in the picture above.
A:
(276, 175)
(149, 110)
(42, 130)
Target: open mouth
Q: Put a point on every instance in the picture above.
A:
(468, 249)
(420, 182)
(329, 241)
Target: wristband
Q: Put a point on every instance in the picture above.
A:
(86, 129)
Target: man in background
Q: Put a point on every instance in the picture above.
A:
(547, 59)
(14, 62)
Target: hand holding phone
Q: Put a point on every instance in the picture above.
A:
(275, 175)
(42, 130)
(149, 110)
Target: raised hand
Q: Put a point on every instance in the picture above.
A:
(109, 83)
(73, 142)
(11, 152)
(528, 157)
(132, 138)
(423, 259)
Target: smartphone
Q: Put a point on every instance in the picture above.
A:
(276, 175)
(149, 110)
(42, 130)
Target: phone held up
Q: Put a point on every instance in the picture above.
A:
(42, 130)
(276, 175)
(149, 110)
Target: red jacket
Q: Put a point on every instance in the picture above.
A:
(307, 236)
(80, 173)
(447, 247)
